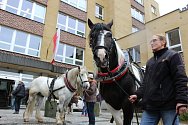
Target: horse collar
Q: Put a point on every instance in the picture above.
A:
(117, 69)
(68, 84)
(117, 74)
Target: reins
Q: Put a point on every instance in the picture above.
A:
(174, 120)
(128, 97)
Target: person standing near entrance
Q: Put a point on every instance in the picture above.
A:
(164, 89)
(90, 99)
(18, 93)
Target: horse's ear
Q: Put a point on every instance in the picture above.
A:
(79, 68)
(110, 24)
(90, 24)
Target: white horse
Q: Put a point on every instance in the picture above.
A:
(64, 87)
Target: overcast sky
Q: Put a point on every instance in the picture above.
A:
(166, 6)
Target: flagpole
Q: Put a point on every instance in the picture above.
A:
(48, 48)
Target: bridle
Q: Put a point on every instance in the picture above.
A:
(82, 82)
(107, 49)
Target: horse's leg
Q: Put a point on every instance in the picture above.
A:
(39, 103)
(116, 114)
(60, 116)
(128, 111)
(29, 108)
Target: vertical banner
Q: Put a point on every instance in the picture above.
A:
(56, 39)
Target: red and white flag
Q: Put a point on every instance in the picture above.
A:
(56, 39)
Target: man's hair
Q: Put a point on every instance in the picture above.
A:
(162, 38)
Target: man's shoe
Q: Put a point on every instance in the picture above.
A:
(16, 113)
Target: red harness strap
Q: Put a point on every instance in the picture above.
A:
(68, 84)
(116, 78)
(112, 71)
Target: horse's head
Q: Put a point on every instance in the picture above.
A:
(82, 77)
(101, 43)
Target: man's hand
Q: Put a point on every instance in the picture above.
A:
(181, 108)
(132, 98)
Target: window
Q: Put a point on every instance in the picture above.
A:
(139, 1)
(137, 14)
(80, 4)
(70, 54)
(62, 21)
(20, 42)
(174, 40)
(25, 8)
(79, 56)
(71, 25)
(134, 29)
(153, 10)
(1, 4)
(81, 29)
(99, 11)
(135, 53)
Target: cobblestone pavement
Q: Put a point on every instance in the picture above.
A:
(75, 118)
(7, 118)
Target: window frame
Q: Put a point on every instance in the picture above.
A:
(78, 4)
(140, 2)
(76, 31)
(136, 56)
(135, 29)
(26, 47)
(97, 14)
(138, 15)
(180, 41)
(63, 57)
(19, 10)
(153, 10)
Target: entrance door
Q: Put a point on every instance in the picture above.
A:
(6, 87)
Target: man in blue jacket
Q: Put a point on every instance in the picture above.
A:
(164, 89)
(19, 93)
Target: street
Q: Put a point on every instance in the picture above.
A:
(75, 118)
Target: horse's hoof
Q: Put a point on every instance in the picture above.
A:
(60, 123)
(26, 120)
(40, 121)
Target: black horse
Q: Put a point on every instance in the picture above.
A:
(113, 71)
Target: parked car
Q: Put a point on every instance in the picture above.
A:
(79, 105)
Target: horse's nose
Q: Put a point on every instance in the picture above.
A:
(101, 54)
(86, 85)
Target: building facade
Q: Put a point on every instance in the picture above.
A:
(27, 28)
(128, 16)
(172, 25)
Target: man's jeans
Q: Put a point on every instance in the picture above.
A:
(90, 111)
(153, 117)
(17, 103)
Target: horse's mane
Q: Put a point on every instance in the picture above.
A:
(96, 30)
(121, 56)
